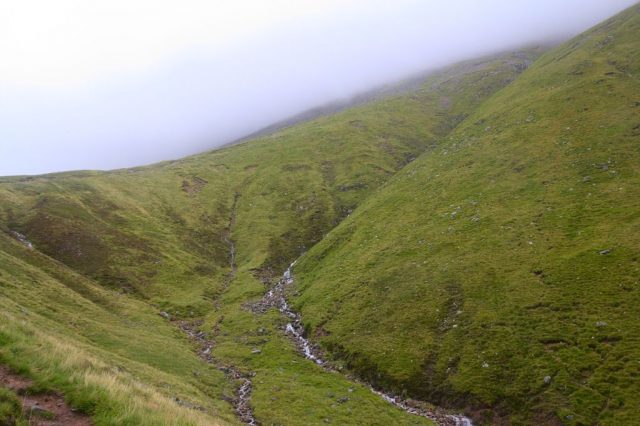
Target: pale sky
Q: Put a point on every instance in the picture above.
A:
(109, 84)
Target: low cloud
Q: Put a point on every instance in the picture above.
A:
(165, 85)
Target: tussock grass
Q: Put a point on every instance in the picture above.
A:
(110, 394)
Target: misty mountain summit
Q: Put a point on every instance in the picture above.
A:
(461, 247)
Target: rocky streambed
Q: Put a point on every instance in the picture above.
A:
(205, 344)
(276, 298)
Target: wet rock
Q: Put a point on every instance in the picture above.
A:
(20, 237)
(36, 410)
(276, 298)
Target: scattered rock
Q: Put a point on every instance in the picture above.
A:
(343, 399)
(485, 365)
(165, 315)
(547, 380)
(604, 252)
(586, 179)
(188, 404)
(241, 400)
(256, 351)
(23, 239)
(36, 410)
(601, 324)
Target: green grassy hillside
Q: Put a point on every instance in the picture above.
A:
(196, 238)
(111, 355)
(499, 271)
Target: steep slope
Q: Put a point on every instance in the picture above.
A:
(112, 356)
(499, 272)
(194, 240)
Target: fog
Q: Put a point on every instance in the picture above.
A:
(102, 85)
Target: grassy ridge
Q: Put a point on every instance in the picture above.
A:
(499, 272)
(113, 249)
(112, 356)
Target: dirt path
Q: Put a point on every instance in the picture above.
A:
(276, 298)
(46, 409)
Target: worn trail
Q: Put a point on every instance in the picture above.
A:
(42, 409)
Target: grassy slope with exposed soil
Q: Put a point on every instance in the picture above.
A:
(112, 250)
(499, 272)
